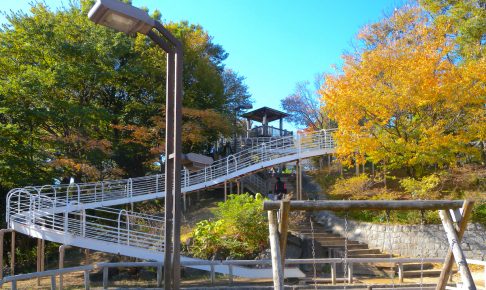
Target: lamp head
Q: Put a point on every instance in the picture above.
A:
(121, 16)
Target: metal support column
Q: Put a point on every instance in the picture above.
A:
(225, 190)
(298, 180)
(12, 254)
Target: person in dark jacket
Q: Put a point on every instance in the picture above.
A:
(280, 188)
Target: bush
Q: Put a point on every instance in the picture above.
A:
(421, 189)
(240, 230)
(354, 187)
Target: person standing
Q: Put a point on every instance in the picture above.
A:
(280, 189)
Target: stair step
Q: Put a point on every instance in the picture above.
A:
(309, 235)
(417, 266)
(332, 239)
(426, 273)
(337, 243)
(406, 288)
(368, 256)
(363, 251)
(316, 231)
(350, 247)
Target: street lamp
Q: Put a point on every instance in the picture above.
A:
(237, 109)
(126, 18)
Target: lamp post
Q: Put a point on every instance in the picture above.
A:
(237, 109)
(126, 18)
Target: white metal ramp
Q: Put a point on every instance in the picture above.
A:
(76, 214)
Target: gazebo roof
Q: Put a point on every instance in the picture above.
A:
(272, 114)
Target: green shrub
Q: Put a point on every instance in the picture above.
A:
(240, 230)
(479, 213)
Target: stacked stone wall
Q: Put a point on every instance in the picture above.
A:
(407, 240)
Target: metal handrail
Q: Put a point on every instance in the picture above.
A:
(229, 263)
(51, 207)
(142, 188)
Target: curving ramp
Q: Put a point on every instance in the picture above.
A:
(80, 214)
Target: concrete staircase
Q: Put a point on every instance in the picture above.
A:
(333, 246)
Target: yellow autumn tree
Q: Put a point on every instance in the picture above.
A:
(403, 97)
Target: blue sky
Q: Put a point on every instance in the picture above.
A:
(274, 44)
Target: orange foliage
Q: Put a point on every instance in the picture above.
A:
(402, 98)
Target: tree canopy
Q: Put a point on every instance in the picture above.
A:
(305, 107)
(409, 96)
(78, 99)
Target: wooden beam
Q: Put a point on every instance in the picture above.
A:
(449, 260)
(455, 245)
(340, 205)
(283, 228)
(277, 272)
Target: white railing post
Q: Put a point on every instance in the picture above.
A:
(119, 226)
(83, 226)
(102, 191)
(29, 222)
(325, 139)
(128, 228)
(66, 221)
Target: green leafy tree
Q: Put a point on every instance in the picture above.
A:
(78, 99)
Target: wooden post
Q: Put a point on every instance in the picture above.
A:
(333, 273)
(455, 245)
(238, 186)
(43, 255)
(62, 250)
(12, 254)
(225, 190)
(277, 272)
(61, 265)
(400, 272)
(283, 228)
(86, 257)
(449, 260)
(350, 273)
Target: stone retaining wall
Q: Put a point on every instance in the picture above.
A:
(407, 240)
